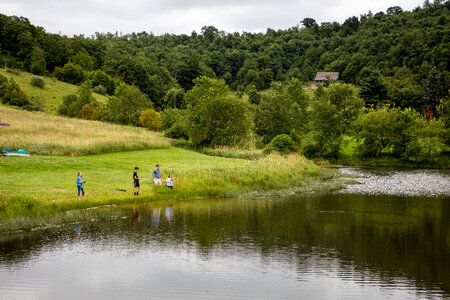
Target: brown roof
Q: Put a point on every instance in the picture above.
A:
(326, 75)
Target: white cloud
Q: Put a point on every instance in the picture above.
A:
(178, 16)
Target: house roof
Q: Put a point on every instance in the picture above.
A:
(325, 75)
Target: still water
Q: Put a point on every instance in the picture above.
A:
(353, 244)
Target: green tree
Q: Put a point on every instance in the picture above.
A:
(281, 111)
(150, 119)
(126, 105)
(174, 98)
(84, 60)
(98, 77)
(373, 88)
(38, 64)
(436, 88)
(427, 142)
(70, 73)
(73, 104)
(214, 116)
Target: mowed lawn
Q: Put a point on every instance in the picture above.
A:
(46, 178)
(43, 134)
(51, 94)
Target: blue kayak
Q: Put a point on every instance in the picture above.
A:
(10, 152)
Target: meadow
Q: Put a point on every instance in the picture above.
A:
(43, 134)
(36, 188)
(51, 94)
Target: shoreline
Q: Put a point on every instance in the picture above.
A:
(76, 211)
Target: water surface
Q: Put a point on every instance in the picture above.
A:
(315, 246)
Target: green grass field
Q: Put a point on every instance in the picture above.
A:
(40, 133)
(51, 95)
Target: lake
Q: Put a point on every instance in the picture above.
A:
(385, 238)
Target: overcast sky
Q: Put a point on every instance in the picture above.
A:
(184, 16)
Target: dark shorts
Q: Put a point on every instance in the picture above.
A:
(136, 183)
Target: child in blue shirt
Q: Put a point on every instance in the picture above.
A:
(80, 183)
(169, 181)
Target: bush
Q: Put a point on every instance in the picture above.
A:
(427, 141)
(100, 89)
(10, 93)
(73, 104)
(150, 119)
(70, 73)
(100, 78)
(282, 143)
(177, 131)
(38, 81)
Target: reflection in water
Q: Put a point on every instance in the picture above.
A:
(78, 230)
(169, 213)
(155, 217)
(135, 219)
(316, 247)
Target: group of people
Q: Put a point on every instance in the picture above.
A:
(156, 174)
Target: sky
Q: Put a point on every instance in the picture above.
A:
(183, 16)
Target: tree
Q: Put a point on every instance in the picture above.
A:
(126, 105)
(73, 104)
(174, 98)
(282, 143)
(377, 129)
(214, 116)
(373, 88)
(70, 73)
(98, 77)
(150, 119)
(309, 22)
(283, 110)
(435, 88)
(38, 64)
(84, 60)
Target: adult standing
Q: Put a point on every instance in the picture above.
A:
(157, 175)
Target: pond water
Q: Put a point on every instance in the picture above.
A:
(352, 244)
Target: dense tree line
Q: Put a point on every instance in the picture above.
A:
(389, 53)
(394, 67)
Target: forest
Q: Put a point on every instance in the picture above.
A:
(216, 88)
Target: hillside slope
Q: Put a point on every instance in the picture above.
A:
(52, 93)
(43, 134)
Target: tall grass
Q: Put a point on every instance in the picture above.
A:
(43, 134)
(30, 185)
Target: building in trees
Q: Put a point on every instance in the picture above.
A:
(322, 77)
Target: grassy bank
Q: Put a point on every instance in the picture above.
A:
(43, 134)
(51, 94)
(31, 184)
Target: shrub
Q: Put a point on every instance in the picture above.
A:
(427, 141)
(10, 93)
(73, 104)
(282, 143)
(100, 78)
(100, 89)
(169, 117)
(37, 81)
(150, 119)
(70, 73)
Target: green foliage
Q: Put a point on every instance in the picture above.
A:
(214, 116)
(97, 78)
(150, 119)
(70, 73)
(11, 94)
(378, 130)
(84, 60)
(373, 88)
(126, 105)
(282, 143)
(173, 122)
(38, 64)
(37, 81)
(174, 98)
(427, 141)
(254, 96)
(436, 87)
(282, 110)
(404, 90)
(73, 104)
(99, 89)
